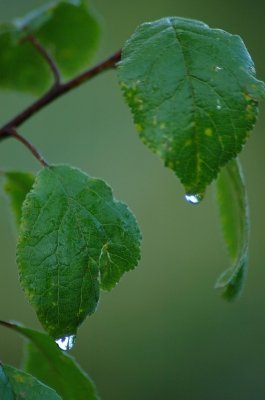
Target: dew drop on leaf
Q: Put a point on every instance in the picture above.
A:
(66, 343)
(194, 198)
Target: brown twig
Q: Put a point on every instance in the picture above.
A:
(7, 324)
(33, 149)
(48, 58)
(56, 91)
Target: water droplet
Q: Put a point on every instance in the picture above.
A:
(218, 105)
(66, 343)
(217, 68)
(194, 198)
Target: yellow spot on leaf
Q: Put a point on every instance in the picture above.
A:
(19, 378)
(139, 127)
(170, 164)
(29, 293)
(247, 98)
(208, 132)
(159, 152)
(187, 143)
(162, 126)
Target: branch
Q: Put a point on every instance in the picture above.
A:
(56, 91)
(47, 57)
(33, 149)
(6, 324)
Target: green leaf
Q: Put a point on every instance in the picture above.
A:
(193, 95)
(74, 238)
(51, 366)
(71, 35)
(234, 217)
(69, 31)
(15, 384)
(22, 68)
(17, 186)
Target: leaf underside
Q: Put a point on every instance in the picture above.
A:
(75, 238)
(16, 384)
(56, 369)
(234, 218)
(68, 30)
(193, 94)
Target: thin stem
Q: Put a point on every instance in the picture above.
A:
(7, 324)
(33, 149)
(47, 57)
(57, 91)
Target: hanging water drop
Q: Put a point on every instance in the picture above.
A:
(218, 107)
(194, 198)
(66, 343)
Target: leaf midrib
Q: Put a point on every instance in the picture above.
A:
(194, 102)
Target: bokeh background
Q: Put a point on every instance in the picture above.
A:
(163, 332)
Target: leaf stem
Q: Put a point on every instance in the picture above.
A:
(58, 90)
(6, 324)
(47, 57)
(33, 149)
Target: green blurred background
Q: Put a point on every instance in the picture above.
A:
(163, 332)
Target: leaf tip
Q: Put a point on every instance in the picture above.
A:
(234, 288)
